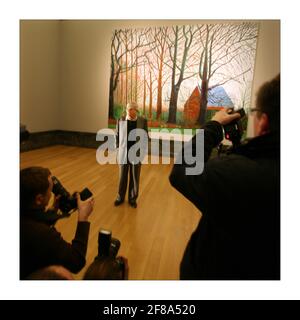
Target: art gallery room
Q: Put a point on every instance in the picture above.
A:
(80, 81)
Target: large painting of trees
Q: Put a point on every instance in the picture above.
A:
(179, 75)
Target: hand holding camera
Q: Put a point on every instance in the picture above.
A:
(232, 124)
(85, 208)
(226, 116)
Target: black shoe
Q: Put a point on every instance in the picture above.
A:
(133, 204)
(118, 202)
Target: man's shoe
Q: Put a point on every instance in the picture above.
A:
(133, 204)
(118, 202)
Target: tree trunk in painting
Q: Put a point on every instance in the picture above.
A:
(159, 90)
(121, 101)
(111, 89)
(173, 105)
(160, 58)
(204, 84)
(150, 98)
(203, 93)
(131, 70)
(144, 93)
(203, 102)
(136, 77)
(126, 70)
(173, 99)
(188, 35)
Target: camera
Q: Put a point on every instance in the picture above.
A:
(108, 247)
(106, 265)
(68, 202)
(234, 130)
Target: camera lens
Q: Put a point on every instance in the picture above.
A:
(104, 239)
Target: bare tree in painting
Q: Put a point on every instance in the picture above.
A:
(243, 98)
(124, 57)
(115, 69)
(179, 44)
(221, 48)
(150, 83)
(136, 42)
(144, 88)
(160, 38)
(155, 57)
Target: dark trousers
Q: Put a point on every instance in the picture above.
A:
(134, 171)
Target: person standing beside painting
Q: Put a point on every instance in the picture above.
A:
(130, 129)
(238, 236)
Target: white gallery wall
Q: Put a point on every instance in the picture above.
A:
(39, 74)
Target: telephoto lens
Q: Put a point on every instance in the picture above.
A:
(58, 188)
(68, 202)
(104, 239)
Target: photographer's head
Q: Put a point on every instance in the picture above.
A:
(107, 268)
(54, 272)
(35, 188)
(267, 111)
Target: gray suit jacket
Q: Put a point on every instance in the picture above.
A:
(121, 138)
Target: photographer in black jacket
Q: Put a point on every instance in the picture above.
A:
(41, 245)
(238, 236)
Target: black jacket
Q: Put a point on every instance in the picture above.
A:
(41, 245)
(238, 236)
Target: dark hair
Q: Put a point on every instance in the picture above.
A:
(268, 101)
(51, 273)
(104, 268)
(33, 181)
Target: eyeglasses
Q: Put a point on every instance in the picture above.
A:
(251, 110)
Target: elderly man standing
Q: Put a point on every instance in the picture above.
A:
(130, 130)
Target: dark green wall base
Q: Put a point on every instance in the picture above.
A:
(39, 140)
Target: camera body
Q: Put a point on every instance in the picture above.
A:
(234, 130)
(68, 202)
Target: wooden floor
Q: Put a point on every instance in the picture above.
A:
(153, 236)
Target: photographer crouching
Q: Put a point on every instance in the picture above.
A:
(238, 193)
(41, 244)
(106, 265)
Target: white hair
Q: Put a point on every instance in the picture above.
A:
(132, 105)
